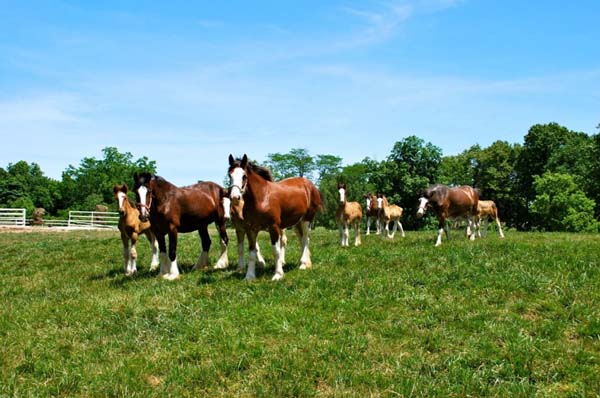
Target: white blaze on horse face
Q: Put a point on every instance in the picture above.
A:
(368, 203)
(237, 179)
(379, 203)
(342, 192)
(227, 208)
(143, 192)
(122, 197)
(422, 205)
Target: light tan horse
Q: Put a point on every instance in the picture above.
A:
(348, 213)
(487, 209)
(389, 213)
(131, 227)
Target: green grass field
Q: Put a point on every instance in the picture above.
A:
(518, 317)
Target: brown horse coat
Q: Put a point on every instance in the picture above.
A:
(274, 206)
(348, 213)
(131, 227)
(487, 209)
(447, 202)
(172, 210)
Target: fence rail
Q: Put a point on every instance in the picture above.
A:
(77, 219)
(12, 217)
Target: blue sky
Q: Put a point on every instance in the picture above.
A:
(187, 83)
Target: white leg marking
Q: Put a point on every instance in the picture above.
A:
(223, 260)
(173, 271)
(251, 273)
(305, 261)
(278, 263)
(439, 237)
(155, 261)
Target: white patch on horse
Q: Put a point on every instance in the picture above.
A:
(226, 208)
(237, 179)
(143, 191)
(422, 205)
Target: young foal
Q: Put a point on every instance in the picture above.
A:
(372, 212)
(172, 210)
(487, 209)
(131, 227)
(273, 206)
(348, 213)
(389, 213)
(446, 202)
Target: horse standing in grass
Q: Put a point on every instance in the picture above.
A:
(487, 209)
(172, 210)
(273, 206)
(348, 213)
(131, 227)
(372, 212)
(389, 213)
(446, 202)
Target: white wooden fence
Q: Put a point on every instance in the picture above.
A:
(12, 217)
(93, 219)
(77, 219)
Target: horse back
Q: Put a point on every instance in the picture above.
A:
(297, 199)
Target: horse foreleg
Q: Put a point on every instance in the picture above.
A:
(173, 270)
(251, 271)
(471, 227)
(240, 235)
(368, 226)
(305, 261)
(275, 234)
(340, 228)
(357, 233)
(154, 263)
(205, 241)
(163, 258)
(223, 261)
(133, 255)
(442, 226)
(283, 239)
(127, 261)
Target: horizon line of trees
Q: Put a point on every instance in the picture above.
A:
(550, 182)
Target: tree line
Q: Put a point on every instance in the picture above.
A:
(549, 182)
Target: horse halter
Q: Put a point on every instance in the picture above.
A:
(241, 186)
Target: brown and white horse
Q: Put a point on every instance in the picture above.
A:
(172, 210)
(447, 202)
(372, 212)
(131, 227)
(487, 209)
(273, 206)
(348, 213)
(389, 213)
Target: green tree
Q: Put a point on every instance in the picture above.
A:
(296, 163)
(327, 165)
(24, 183)
(93, 180)
(411, 166)
(560, 205)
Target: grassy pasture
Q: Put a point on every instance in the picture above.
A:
(518, 317)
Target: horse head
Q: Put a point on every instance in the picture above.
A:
(143, 193)
(342, 191)
(121, 195)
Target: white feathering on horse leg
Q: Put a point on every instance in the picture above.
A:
(278, 263)
(173, 271)
(155, 261)
(305, 261)
(223, 262)
(251, 272)
(438, 242)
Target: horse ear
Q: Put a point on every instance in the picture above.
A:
(136, 177)
(116, 188)
(244, 161)
(124, 188)
(231, 160)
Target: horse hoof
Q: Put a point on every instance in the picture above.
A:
(170, 277)
(221, 265)
(305, 266)
(250, 278)
(277, 277)
(154, 267)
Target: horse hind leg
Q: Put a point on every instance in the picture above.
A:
(154, 263)
(223, 261)
(499, 227)
(205, 240)
(283, 239)
(305, 261)
(173, 270)
(401, 229)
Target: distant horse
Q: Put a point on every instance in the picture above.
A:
(273, 206)
(348, 213)
(487, 209)
(172, 210)
(131, 227)
(372, 212)
(389, 213)
(446, 202)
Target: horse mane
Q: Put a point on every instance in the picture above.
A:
(262, 171)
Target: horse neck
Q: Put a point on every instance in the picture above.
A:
(161, 189)
(256, 187)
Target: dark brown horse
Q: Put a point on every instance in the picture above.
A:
(263, 204)
(446, 202)
(372, 212)
(172, 210)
